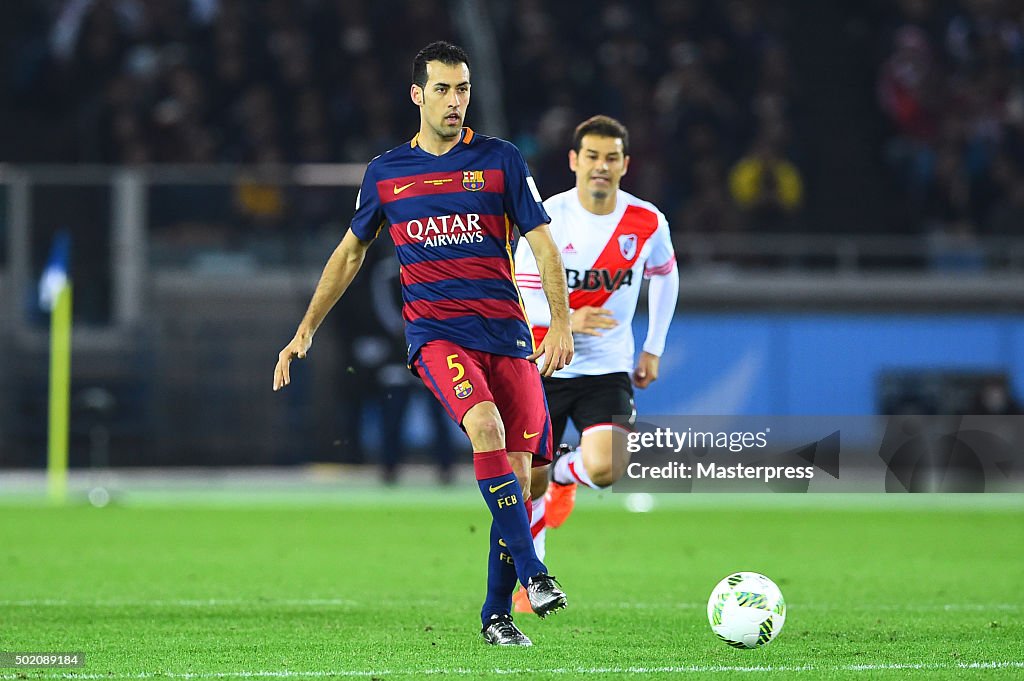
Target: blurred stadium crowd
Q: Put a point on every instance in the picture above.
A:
(705, 88)
(715, 94)
(952, 92)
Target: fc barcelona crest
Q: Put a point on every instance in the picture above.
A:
(472, 180)
(627, 246)
(464, 389)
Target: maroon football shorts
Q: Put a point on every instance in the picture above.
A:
(461, 378)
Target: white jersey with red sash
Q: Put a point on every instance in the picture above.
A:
(605, 258)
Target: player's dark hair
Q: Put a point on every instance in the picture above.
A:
(601, 126)
(440, 50)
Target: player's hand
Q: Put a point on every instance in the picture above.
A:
(296, 349)
(591, 321)
(646, 371)
(557, 349)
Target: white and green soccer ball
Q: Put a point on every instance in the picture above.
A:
(746, 610)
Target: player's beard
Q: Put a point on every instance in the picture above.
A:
(448, 131)
(604, 192)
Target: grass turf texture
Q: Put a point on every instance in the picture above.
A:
(390, 588)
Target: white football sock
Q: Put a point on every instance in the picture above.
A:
(570, 469)
(538, 528)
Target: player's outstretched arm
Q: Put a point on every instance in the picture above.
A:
(340, 270)
(557, 345)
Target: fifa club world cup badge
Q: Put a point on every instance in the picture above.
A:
(472, 180)
(464, 389)
(627, 246)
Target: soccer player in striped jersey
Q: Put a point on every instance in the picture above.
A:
(450, 199)
(610, 240)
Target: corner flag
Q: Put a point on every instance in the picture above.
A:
(55, 297)
(55, 275)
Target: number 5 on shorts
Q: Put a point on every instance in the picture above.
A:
(460, 370)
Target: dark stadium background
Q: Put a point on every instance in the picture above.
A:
(203, 156)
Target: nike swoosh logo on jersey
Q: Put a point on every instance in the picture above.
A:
(527, 436)
(399, 190)
(495, 488)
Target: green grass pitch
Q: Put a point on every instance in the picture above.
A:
(387, 585)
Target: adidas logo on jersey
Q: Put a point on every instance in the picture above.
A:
(569, 249)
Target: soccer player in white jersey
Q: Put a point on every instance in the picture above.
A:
(610, 241)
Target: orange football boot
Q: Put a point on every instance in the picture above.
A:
(521, 601)
(559, 499)
(558, 503)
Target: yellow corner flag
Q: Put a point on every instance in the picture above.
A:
(60, 396)
(55, 296)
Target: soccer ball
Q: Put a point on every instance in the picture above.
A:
(746, 610)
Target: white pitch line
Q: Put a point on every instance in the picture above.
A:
(190, 603)
(349, 603)
(458, 671)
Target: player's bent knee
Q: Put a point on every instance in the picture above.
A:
(484, 427)
(603, 473)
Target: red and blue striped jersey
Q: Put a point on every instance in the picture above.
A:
(451, 218)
